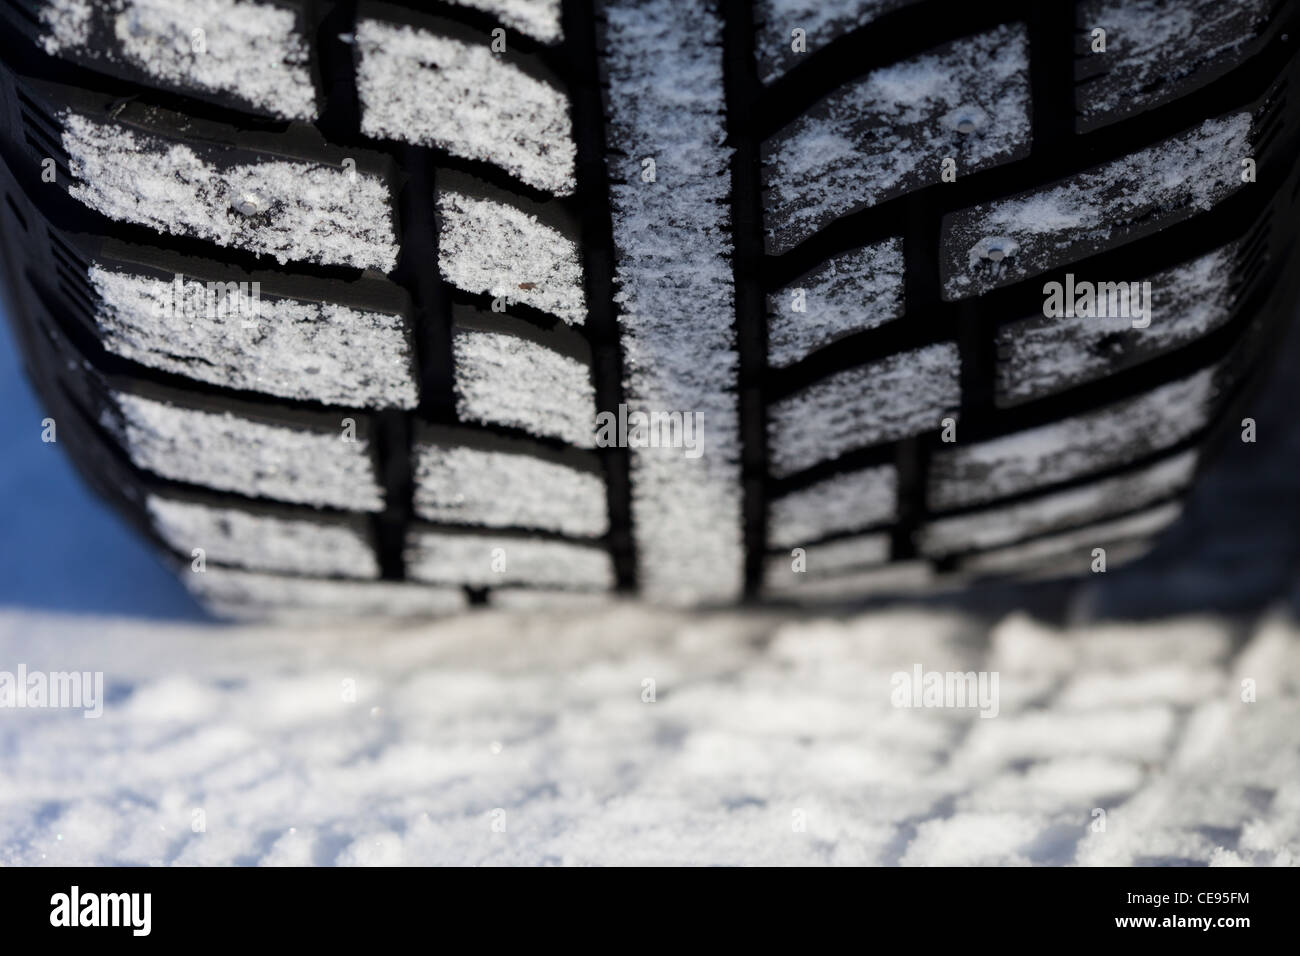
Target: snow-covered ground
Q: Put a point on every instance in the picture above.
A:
(524, 738)
(529, 739)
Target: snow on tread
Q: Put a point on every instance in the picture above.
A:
(396, 173)
(842, 554)
(506, 380)
(314, 351)
(1040, 355)
(1114, 435)
(900, 577)
(487, 560)
(504, 489)
(885, 134)
(490, 247)
(262, 541)
(256, 52)
(230, 452)
(848, 293)
(887, 399)
(539, 19)
(1045, 228)
(258, 596)
(422, 88)
(290, 211)
(1060, 510)
(1071, 552)
(1155, 48)
(663, 62)
(844, 502)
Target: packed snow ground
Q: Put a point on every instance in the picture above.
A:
(770, 740)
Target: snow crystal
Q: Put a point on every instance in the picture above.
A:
(1054, 512)
(487, 246)
(313, 213)
(846, 502)
(68, 23)
(231, 452)
(422, 88)
(848, 293)
(264, 542)
(1113, 435)
(663, 61)
(1043, 355)
(890, 398)
(505, 380)
(1067, 221)
(486, 560)
(506, 489)
(317, 351)
(885, 134)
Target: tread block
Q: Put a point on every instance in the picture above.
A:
(504, 379)
(264, 539)
(256, 54)
(1157, 50)
(423, 87)
(502, 250)
(292, 347)
(887, 133)
(829, 557)
(290, 210)
(246, 451)
(1070, 554)
(249, 595)
(539, 19)
(675, 290)
(848, 293)
(901, 577)
(890, 398)
(1042, 355)
(994, 527)
(1112, 436)
(1000, 242)
(506, 485)
(845, 502)
(440, 557)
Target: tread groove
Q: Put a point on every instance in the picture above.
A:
(742, 91)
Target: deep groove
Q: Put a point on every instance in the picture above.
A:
(740, 80)
(592, 200)
(1051, 77)
(921, 310)
(340, 120)
(392, 438)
